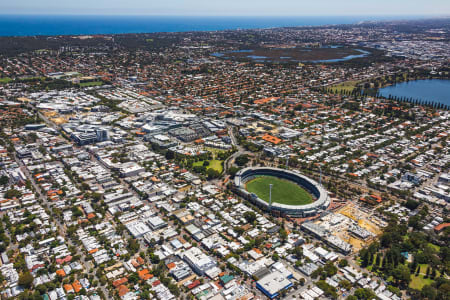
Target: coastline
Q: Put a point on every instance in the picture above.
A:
(56, 25)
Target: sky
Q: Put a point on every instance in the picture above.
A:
(229, 7)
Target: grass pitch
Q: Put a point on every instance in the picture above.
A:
(283, 191)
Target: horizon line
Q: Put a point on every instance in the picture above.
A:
(224, 15)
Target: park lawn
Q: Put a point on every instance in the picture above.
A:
(214, 151)
(369, 268)
(435, 247)
(91, 83)
(5, 79)
(418, 282)
(346, 86)
(213, 164)
(283, 191)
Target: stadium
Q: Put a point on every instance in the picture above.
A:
(291, 193)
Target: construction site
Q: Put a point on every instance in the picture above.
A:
(55, 117)
(353, 225)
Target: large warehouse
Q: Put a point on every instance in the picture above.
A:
(320, 200)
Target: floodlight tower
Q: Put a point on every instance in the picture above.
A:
(320, 179)
(270, 196)
(287, 162)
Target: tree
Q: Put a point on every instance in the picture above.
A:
(241, 160)
(26, 279)
(233, 170)
(211, 173)
(364, 294)
(402, 274)
(275, 256)
(329, 290)
(12, 193)
(42, 288)
(343, 263)
(302, 281)
(298, 251)
(96, 197)
(250, 216)
(133, 278)
(330, 269)
(4, 180)
(346, 284)
(170, 154)
(428, 292)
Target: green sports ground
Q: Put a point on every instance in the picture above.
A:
(283, 191)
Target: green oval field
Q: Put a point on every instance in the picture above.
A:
(283, 191)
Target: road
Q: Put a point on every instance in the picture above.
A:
(61, 227)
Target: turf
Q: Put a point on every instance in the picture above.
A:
(346, 86)
(90, 83)
(5, 79)
(435, 247)
(213, 164)
(283, 191)
(418, 282)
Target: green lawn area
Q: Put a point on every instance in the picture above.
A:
(346, 86)
(214, 151)
(283, 191)
(91, 83)
(418, 282)
(5, 79)
(369, 268)
(213, 164)
(435, 247)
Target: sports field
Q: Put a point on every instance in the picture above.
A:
(283, 191)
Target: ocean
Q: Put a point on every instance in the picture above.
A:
(29, 25)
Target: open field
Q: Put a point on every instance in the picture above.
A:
(283, 191)
(90, 83)
(213, 164)
(418, 282)
(5, 79)
(214, 151)
(346, 86)
(435, 247)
